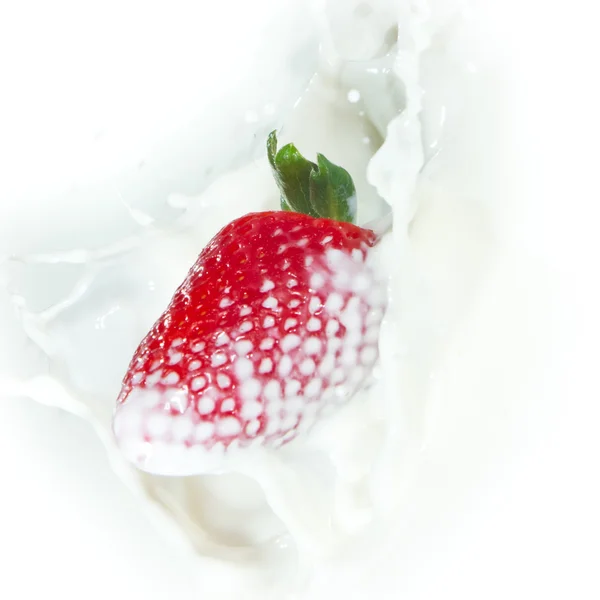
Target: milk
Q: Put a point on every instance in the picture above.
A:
(86, 289)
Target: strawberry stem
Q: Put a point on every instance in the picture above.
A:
(319, 190)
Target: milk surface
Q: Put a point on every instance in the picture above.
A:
(411, 98)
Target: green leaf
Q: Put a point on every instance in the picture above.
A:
(272, 148)
(319, 190)
(332, 191)
(291, 171)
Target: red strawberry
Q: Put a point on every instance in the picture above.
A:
(277, 322)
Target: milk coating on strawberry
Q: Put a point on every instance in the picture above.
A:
(276, 324)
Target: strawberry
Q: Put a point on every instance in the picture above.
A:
(275, 324)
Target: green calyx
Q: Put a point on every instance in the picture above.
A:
(319, 190)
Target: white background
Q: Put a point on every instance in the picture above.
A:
(67, 527)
